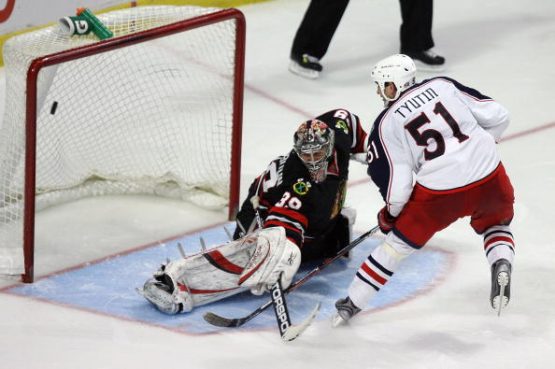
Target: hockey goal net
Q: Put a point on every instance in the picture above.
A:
(156, 109)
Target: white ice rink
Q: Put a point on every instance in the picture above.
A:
(505, 49)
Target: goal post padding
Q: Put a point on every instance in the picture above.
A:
(157, 109)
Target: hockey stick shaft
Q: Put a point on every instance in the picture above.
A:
(328, 261)
(280, 308)
(236, 322)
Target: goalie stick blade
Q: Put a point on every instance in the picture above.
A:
(295, 331)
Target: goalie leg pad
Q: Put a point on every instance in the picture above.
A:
(198, 279)
(223, 271)
(273, 257)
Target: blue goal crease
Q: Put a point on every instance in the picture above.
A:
(109, 287)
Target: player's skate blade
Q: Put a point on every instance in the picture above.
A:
(297, 69)
(346, 309)
(501, 283)
(337, 320)
(305, 66)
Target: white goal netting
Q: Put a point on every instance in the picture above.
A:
(152, 117)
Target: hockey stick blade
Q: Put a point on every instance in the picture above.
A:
(295, 331)
(290, 334)
(221, 321)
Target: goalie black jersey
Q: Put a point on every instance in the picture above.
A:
(288, 197)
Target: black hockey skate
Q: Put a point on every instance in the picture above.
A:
(305, 66)
(500, 284)
(346, 309)
(427, 60)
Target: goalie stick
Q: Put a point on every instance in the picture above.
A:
(221, 321)
(288, 331)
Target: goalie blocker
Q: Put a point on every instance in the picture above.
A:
(252, 262)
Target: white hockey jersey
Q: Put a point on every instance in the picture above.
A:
(440, 134)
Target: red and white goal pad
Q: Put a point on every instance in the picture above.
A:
(156, 109)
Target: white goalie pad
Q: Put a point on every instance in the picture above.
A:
(274, 256)
(249, 262)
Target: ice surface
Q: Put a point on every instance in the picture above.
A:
(506, 49)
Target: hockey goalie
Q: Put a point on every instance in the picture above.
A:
(293, 212)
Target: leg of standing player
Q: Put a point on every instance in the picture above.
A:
(489, 202)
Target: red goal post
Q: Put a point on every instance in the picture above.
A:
(155, 110)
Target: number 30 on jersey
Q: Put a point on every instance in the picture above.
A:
(289, 201)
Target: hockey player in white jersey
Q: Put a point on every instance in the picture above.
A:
(432, 154)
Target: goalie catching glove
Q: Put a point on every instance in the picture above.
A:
(253, 262)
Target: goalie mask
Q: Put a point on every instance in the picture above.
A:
(313, 144)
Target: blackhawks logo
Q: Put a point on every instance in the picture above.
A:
(301, 187)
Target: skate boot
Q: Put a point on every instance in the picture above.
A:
(346, 309)
(305, 66)
(427, 60)
(500, 284)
